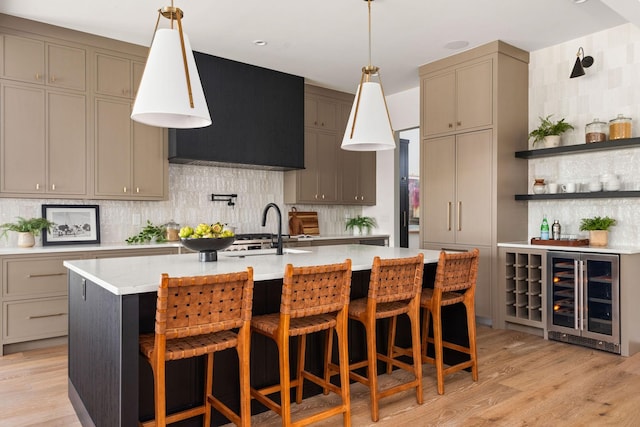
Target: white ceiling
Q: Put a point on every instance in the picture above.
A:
(326, 41)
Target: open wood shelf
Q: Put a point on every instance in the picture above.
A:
(579, 148)
(589, 195)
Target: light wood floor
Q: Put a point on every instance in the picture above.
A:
(524, 381)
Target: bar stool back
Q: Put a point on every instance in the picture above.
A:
(198, 316)
(455, 283)
(313, 299)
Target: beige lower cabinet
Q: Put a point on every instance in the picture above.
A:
(43, 143)
(33, 302)
(130, 158)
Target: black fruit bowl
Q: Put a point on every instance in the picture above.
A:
(208, 247)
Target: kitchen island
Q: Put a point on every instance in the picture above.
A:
(112, 301)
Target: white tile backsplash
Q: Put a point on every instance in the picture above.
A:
(610, 87)
(190, 188)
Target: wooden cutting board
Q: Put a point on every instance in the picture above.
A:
(308, 221)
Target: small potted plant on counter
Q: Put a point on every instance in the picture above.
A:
(549, 132)
(361, 223)
(598, 228)
(149, 233)
(27, 229)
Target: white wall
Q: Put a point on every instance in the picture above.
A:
(609, 87)
(404, 108)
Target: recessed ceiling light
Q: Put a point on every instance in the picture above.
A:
(260, 42)
(579, 1)
(456, 44)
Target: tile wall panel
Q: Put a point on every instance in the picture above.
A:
(189, 202)
(610, 87)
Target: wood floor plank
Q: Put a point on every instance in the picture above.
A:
(524, 381)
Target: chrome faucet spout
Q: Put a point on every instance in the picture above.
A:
(279, 250)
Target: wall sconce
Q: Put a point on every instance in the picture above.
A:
(581, 64)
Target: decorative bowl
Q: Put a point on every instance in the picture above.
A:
(207, 247)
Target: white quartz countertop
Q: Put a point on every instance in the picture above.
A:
(132, 275)
(625, 250)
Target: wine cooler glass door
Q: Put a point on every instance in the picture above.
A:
(601, 297)
(564, 296)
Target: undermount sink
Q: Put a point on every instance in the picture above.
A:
(262, 252)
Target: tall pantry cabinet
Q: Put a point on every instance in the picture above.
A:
(473, 117)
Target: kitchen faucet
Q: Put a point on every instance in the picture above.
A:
(264, 222)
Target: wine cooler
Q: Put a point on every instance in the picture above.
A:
(584, 299)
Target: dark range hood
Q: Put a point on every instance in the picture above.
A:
(257, 114)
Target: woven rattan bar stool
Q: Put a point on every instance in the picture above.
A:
(198, 316)
(455, 283)
(313, 299)
(394, 289)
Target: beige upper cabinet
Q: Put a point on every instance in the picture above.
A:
(117, 75)
(458, 100)
(43, 143)
(35, 61)
(320, 113)
(130, 158)
(358, 177)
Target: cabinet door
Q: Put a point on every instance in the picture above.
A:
(149, 157)
(439, 108)
(113, 147)
(473, 188)
(474, 94)
(113, 75)
(320, 113)
(367, 178)
(438, 159)
(349, 176)
(22, 140)
(137, 70)
(67, 144)
(23, 59)
(66, 67)
(327, 156)
(307, 179)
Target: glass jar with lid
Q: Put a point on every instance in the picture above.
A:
(620, 127)
(172, 230)
(596, 131)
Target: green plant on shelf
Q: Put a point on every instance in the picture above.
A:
(361, 223)
(549, 127)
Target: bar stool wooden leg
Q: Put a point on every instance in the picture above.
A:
(437, 342)
(471, 327)
(414, 316)
(343, 358)
(372, 367)
(208, 386)
(302, 348)
(391, 343)
(328, 351)
(243, 349)
(285, 381)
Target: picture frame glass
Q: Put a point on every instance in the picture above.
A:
(73, 224)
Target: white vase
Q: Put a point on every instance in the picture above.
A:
(357, 231)
(552, 141)
(26, 239)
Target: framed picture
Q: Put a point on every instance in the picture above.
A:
(73, 224)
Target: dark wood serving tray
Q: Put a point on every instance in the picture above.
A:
(572, 242)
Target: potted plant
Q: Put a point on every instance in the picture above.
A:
(149, 233)
(361, 223)
(598, 228)
(27, 229)
(549, 131)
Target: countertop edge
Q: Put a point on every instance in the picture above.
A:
(623, 250)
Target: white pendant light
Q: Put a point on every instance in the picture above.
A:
(170, 93)
(369, 125)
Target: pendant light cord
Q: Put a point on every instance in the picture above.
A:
(369, 6)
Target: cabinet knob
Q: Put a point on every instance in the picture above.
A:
(53, 187)
(316, 196)
(137, 189)
(53, 79)
(323, 197)
(459, 123)
(361, 197)
(37, 186)
(356, 197)
(450, 125)
(124, 189)
(37, 76)
(322, 124)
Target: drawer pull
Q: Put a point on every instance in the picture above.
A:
(45, 275)
(42, 316)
